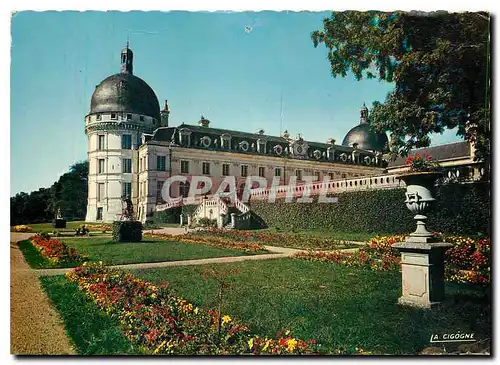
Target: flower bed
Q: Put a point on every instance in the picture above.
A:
(271, 238)
(56, 251)
(468, 261)
(21, 228)
(158, 322)
(98, 227)
(212, 240)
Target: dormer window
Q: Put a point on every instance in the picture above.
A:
(141, 118)
(113, 116)
(97, 117)
(225, 141)
(261, 146)
(185, 137)
(129, 116)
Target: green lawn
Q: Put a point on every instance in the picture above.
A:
(149, 250)
(91, 330)
(339, 306)
(345, 236)
(47, 227)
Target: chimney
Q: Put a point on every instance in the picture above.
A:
(164, 115)
(204, 122)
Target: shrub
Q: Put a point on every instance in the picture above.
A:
(167, 216)
(81, 231)
(127, 231)
(59, 223)
(460, 209)
(207, 222)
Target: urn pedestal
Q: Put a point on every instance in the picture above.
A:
(422, 258)
(422, 271)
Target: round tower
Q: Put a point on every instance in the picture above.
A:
(122, 108)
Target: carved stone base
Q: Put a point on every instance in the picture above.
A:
(422, 269)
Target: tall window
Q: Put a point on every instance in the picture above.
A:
(126, 141)
(262, 171)
(244, 170)
(99, 214)
(127, 189)
(127, 165)
(317, 175)
(100, 167)
(159, 187)
(100, 191)
(100, 144)
(185, 167)
(184, 189)
(331, 175)
(225, 169)
(206, 168)
(298, 173)
(277, 171)
(161, 163)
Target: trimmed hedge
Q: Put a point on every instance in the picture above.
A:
(59, 223)
(127, 231)
(460, 209)
(167, 216)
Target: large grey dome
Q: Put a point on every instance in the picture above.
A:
(126, 93)
(366, 138)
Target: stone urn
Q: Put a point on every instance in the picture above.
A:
(419, 189)
(422, 257)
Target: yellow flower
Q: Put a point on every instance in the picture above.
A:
(196, 310)
(250, 343)
(266, 345)
(291, 344)
(226, 319)
(159, 347)
(287, 332)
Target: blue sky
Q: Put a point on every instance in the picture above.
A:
(203, 63)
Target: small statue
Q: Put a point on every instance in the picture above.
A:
(128, 210)
(58, 213)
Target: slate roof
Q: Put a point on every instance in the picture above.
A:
(165, 134)
(439, 153)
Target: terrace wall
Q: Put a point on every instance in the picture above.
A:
(460, 209)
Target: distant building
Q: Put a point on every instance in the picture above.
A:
(132, 150)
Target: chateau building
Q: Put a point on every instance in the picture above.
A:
(132, 150)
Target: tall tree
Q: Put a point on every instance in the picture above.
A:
(439, 63)
(68, 193)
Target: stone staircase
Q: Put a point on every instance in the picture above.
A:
(228, 215)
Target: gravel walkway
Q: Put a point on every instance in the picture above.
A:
(35, 326)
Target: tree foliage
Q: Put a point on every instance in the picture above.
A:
(438, 62)
(69, 194)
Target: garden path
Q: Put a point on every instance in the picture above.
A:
(35, 326)
(277, 252)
